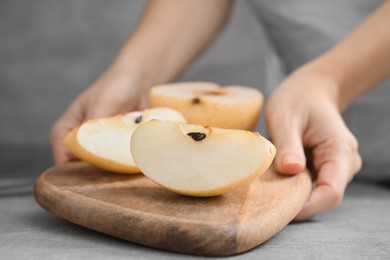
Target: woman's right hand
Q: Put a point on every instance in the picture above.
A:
(116, 91)
(164, 43)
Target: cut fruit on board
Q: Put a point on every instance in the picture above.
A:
(199, 161)
(105, 142)
(206, 103)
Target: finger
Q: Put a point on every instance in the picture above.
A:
(60, 153)
(328, 192)
(290, 156)
(70, 119)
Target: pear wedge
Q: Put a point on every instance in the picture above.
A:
(104, 142)
(199, 161)
(205, 103)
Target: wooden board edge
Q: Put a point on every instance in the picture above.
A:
(174, 237)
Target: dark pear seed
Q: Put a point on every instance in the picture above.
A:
(197, 136)
(196, 100)
(138, 119)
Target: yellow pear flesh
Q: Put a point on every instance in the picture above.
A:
(203, 103)
(199, 161)
(105, 142)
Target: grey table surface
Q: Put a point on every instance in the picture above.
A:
(358, 229)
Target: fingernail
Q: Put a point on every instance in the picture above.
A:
(291, 164)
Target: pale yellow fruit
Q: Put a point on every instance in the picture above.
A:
(199, 161)
(105, 142)
(203, 103)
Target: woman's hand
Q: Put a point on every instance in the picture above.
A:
(303, 115)
(304, 112)
(164, 43)
(116, 91)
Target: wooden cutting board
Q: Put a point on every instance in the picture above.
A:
(134, 208)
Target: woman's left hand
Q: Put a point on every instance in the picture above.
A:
(303, 115)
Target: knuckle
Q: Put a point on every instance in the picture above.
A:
(344, 145)
(336, 197)
(353, 143)
(358, 164)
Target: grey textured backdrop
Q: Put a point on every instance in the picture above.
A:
(51, 50)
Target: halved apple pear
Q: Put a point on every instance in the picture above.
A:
(205, 103)
(105, 142)
(199, 161)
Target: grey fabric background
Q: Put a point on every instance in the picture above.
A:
(51, 50)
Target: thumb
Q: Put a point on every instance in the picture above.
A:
(290, 157)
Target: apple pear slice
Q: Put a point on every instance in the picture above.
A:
(204, 103)
(105, 142)
(199, 161)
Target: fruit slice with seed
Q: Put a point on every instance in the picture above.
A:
(199, 161)
(204, 103)
(105, 142)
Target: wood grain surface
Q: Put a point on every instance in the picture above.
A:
(134, 208)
